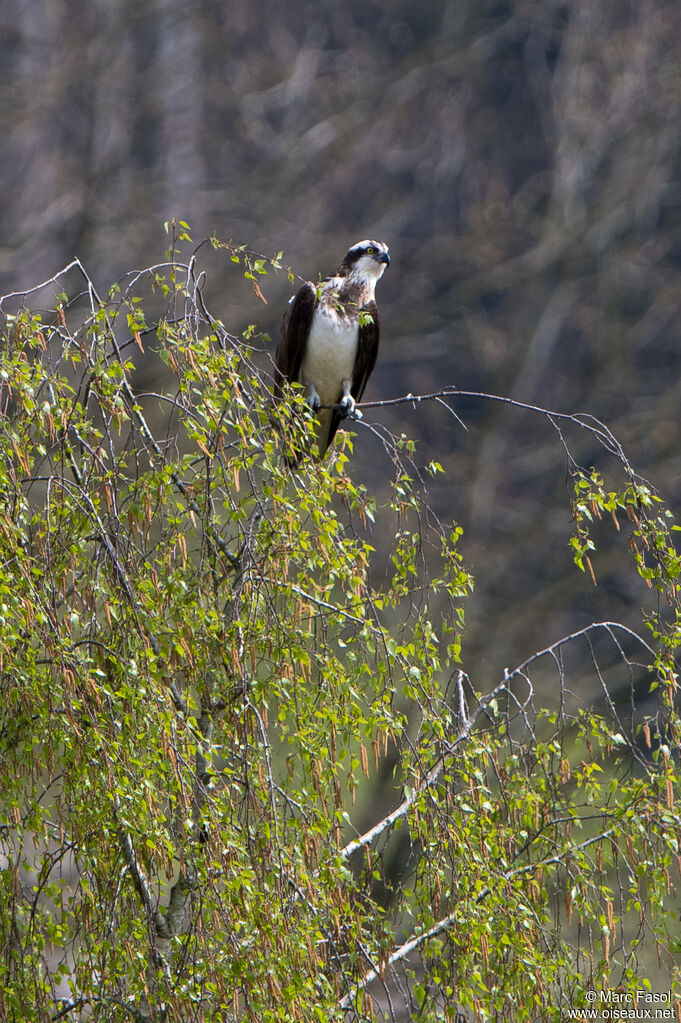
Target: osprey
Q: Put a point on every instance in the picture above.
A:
(329, 337)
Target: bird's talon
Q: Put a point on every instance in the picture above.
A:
(347, 405)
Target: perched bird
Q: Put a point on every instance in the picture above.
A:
(329, 338)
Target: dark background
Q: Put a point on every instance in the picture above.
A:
(522, 162)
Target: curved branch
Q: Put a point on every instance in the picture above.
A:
(469, 721)
(443, 925)
(583, 420)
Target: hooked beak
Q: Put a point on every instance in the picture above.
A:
(383, 257)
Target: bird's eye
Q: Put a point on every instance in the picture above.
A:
(370, 250)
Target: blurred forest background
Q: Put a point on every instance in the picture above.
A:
(522, 160)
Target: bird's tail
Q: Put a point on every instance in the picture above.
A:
(324, 432)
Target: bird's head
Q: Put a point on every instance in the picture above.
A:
(365, 261)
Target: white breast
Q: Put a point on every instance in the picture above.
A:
(330, 354)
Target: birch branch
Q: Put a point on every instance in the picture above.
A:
(443, 925)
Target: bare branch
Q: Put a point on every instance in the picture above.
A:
(443, 925)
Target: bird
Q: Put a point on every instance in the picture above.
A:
(330, 336)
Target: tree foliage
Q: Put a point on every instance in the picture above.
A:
(245, 774)
(521, 159)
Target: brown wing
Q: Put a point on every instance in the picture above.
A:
(295, 329)
(367, 350)
(365, 360)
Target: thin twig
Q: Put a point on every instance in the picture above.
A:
(443, 925)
